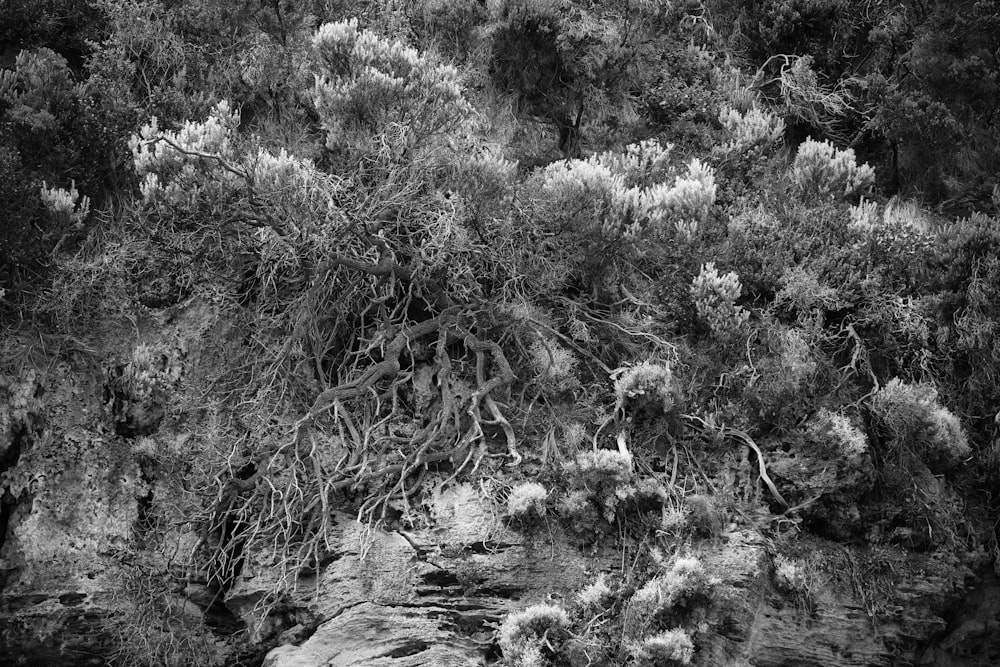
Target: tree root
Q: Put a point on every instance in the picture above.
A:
(363, 438)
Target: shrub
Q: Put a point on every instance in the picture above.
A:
(715, 298)
(371, 89)
(599, 481)
(45, 92)
(449, 24)
(594, 596)
(601, 210)
(626, 195)
(65, 205)
(666, 597)
(750, 132)
(600, 469)
(646, 385)
(666, 649)
(179, 167)
(798, 579)
(827, 466)
(804, 292)
(523, 634)
(821, 171)
(911, 418)
(527, 498)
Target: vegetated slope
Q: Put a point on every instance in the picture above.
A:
(533, 332)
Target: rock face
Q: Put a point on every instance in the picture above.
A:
(432, 595)
(69, 500)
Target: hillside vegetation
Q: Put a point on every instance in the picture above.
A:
(685, 309)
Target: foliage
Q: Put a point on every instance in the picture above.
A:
(449, 24)
(820, 171)
(670, 647)
(527, 635)
(554, 366)
(52, 130)
(595, 596)
(667, 598)
(750, 132)
(910, 418)
(647, 384)
(526, 499)
(394, 297)
(577, 66)
(64, 204)
(827, 470)
(372, 89)
(715, 297)
(605, 206)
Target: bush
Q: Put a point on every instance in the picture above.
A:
(595, 596)
(448, 24)
(751, 132)
(821, 171)
(526, 499)
(666, 598)
(599, 482)
(910, 418)
(715, 297)
(555, 367)
(827, 467)
(666, 649)
(645, 386)
(527, 635)
(371, 90)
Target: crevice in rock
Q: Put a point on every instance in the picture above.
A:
(470, 624)
(72, 599)
(220, 618)
(441, 579)
(412, 647)
(504, 592)
(488, 547)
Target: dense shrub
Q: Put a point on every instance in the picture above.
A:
(910, 418)
(715, 297)
(668, 648)
(820, 170)
(528, 635)
(371, 89)
(667, 599)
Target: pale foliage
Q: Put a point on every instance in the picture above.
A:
(850, 442)
(372, 89)
(715, 298)
(522, 633)
(595, 595)
(822, 171)
(177, 166)
(650, 382)
(670, 647)
(752, 131)
(915, 419)
(685, 579)
(526, 498)
(65, 204)
(629, 194)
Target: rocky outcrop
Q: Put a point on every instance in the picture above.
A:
(434, 594)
